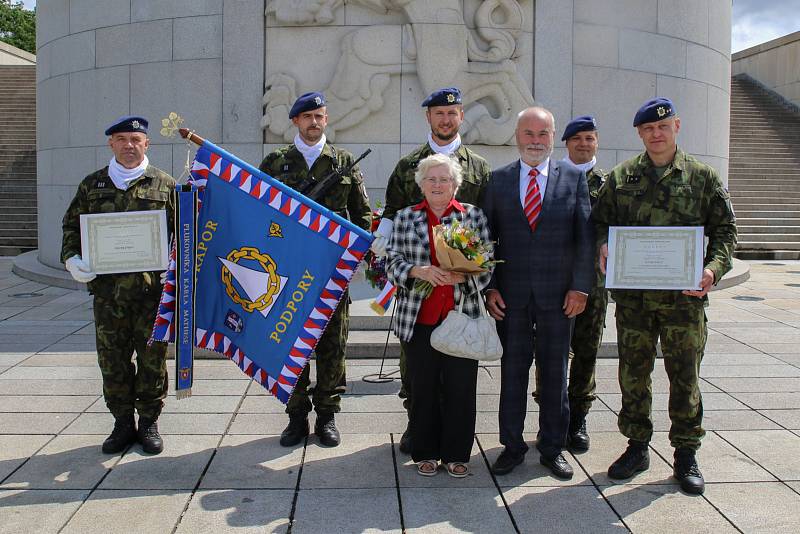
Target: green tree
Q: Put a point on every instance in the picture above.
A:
(18, 25)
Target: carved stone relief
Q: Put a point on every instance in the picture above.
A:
(436, 44)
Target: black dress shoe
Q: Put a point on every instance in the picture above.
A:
(149, 437)
(558, 466)
(686, 470)
(325, 429)
(635, 459)
(577, 436)
(405, 441)
(507, 461)
(124, 434)
(295, 431)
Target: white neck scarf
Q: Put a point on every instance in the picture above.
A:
(309, 152)
(447, 149)
(121, 176)
(585, 167)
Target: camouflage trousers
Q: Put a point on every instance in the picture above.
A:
(330, 358)
(683, 334)
(586, 337)
(122, 328)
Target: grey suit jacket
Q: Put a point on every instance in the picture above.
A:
(559, 255)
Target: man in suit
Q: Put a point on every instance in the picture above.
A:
(538, 212)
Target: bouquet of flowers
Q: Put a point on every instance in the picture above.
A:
(374, 266)
(458, 249)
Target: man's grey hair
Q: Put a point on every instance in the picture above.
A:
(434, 160)
(538, 108)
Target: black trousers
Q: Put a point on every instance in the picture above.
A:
(553, 330)
(443, 389)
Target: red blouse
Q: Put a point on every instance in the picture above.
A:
(435, 308)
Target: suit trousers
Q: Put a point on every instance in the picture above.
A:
(443, 397)
(553, 331)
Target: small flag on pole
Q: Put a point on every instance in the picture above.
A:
(383, 301)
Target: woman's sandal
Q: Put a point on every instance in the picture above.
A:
(427, 468)
(457, 469)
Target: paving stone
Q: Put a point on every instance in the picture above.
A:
(71, 359)
(66, 462)
(360, 461)
(343, 510)
(541, 509)
(253, 462)
(15, 450)
(240, 510)
(722, 420)
(219, 404)
(711, 401)
(178, 467)
(606, 447)
(774, 450)
(786, 418)
(37, 511)
(34, 423)
(7, 359)
(728, 359)
(769, 401)
(751, 371)
(719, 461)
(52, 373)
(445, 510)
(657, 508)
(50, 387)
(260, 424)
(757, 507)
(144, 511)
(214, 387)
(168, 423)
(757, 385)
(530, 472)
(372, 404)
(263, 404)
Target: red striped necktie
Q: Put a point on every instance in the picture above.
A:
(533, 200)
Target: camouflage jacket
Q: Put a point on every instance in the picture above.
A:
(689, 194)
(348, 198)
(402, 191)
(97, 194)
(595, 178)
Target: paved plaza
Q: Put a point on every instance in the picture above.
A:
(224, 471)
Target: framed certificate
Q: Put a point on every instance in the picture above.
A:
(125, 242)
(654, 257)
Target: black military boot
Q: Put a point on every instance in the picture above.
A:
(577, 436)
(295, 431)
(149, 437)
(124, 434)
(405, 440)
(686, 470)
(635, 459)
(325, 429)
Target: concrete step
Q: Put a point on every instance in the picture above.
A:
(785, 193)
(764, 254)
(745, 229)
(14, 250)
(754, 185)
(770, 238)
(768, 201)
(767, 221)
(15, 241)
(753, 244)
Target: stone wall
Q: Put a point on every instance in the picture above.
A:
(230, 69)
(776, 64)
(11, 55)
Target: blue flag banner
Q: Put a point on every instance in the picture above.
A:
(186, 238)
(271, 268)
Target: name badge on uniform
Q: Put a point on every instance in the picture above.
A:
(100, 185)
(632, 179)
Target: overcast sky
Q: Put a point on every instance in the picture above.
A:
(754, 21)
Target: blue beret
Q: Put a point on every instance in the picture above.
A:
(654, 110)
(128, 123)
(307, 102)
(584, 123)
(443, 97)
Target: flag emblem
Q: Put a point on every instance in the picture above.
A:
(255, 273)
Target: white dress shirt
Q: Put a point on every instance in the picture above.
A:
(524, 179)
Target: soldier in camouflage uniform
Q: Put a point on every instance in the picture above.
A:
(581, 139)
(302, 165)
(444, 113)
(125, 304)
(664, 186)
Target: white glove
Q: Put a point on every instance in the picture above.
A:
(163, 278)
(79, 269)
(382, 236)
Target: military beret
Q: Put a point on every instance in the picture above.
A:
(443, 97)
(128, 123)
(307, 102)
(584, 123)
(654, 110)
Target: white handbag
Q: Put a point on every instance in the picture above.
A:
(462, 336)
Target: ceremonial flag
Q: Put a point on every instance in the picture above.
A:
(383, 301)
(271, 268)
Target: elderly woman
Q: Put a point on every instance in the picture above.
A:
(442, 418)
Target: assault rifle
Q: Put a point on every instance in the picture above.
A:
(317, 190)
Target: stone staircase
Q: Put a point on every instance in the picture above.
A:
(17, 159)
(764, 173)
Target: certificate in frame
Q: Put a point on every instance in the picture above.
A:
(125, 242)
(655, 257)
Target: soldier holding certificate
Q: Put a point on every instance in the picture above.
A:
(664, 186)
(125, 304)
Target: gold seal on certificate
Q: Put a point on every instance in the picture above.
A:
(654, 257)
(125, 242)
